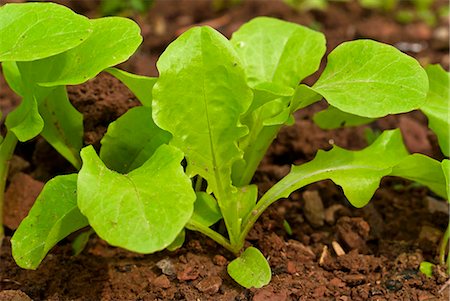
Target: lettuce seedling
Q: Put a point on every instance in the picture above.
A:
(45, 47)
(217, 105)
(417, 167)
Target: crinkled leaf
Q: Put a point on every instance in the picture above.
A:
(54, 216)
(31, 31)
(357, 172)
(199, 98)
(206, 210)
(113, 41)
(25, 121)
(277, 51)
(333, 118)
(131, 140)
(142, 211)
(63, 125)
(372, 79)
(424, 170)
(437, 107)
(251, 269)
(141, 86)
(265, 92)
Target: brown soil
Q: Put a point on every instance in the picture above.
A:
(335, 252)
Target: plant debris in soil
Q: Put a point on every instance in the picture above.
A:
(333, 251)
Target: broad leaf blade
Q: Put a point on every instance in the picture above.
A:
(25, 121)
(437, 107)
(63, 125)
(372, 79)
(31, 31)
(206, 210)
(142, 211)
(141, 86)
(131, 140)
(357, 172)
(53, 217)
(250, 269)
(333, 118)
(113, 41)
(424, 170)
(278, 51)
(199, 98)
(446, 169)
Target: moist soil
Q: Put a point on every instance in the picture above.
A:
(332, 251)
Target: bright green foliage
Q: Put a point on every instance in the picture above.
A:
(333, 118)
(206, 210)
(424, 170)
(446, 169)
(250, 269)
(141, 86)
(25, 121)
(131, 140)
(377, 77)
(426, 268)
(112, 41)
(80, 242)
(357, 172)
(279, 52)
(54, 215)
(33, 31)
(142, 211)
(437, 107)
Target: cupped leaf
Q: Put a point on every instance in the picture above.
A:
(112, 41)
(277, 51)
(437, 107)
(63, 125)
(131, 140)
(12, 76)
(333, 118)
(372, 79)
(25, 121)
(199, 98)
(31, 31)
(357, 172)
(424, 170)
(142, 211)
(178, 242)
(141, 86)
(54, 216)
(206, 210)
(251, 269)
(303, 97)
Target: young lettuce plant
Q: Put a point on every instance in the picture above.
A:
(45, 47)
(218, 104)
(417, 167)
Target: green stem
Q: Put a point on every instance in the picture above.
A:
(192, 225)
(198, 183)
(6, 151)
(443, 245)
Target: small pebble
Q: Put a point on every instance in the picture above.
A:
(209, 285)
(162, 281)
(313, 210)
(166, 267)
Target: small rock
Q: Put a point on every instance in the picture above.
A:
(220, 260)
(14, 295)
(326, 261)
(337, 282)
(19, 198)
(268, 294)
(166, 267)
(393, 285)
(355, 279)
(434, 205)
(353, 232)
(313, 210)
(189, 273)
(319, 291)
(331, 212)
(209, 285)
(337, 248)
(301, 250)
(427, 297)
(162, 281)
(291, 268)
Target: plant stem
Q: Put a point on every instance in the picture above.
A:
(198, 183)
(6, 151)
(192, 225)
(443, 245)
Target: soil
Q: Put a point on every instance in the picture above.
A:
(334, 251)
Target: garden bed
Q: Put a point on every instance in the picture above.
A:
(383, 243)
